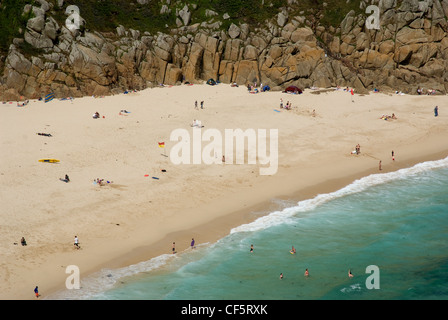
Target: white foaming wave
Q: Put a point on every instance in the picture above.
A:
(285, 215)
(95, 284)
(354, 287)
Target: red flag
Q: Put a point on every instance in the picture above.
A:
(352, 92)
(161, 144)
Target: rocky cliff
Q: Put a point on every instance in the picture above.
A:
(407, 51)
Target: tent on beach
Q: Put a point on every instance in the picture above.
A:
(293, 89)
(211, 82)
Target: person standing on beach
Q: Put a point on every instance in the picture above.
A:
(393, 155)
(196, 104)
(202, 104)
(174, 247)
(36, 291)
(436, 111)
(379, 166)
(192, 243)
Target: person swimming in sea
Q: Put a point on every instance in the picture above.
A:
(293, 250)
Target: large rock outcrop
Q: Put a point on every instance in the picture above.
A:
(409, 50)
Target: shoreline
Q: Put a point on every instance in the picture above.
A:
(137, 218)
(244, 216)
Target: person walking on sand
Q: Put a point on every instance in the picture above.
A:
(76, 243)
(436, 111)
(196, 104)
(379, 166)
(202, 104)
(36, 291)
(174, 247)
(192, 243)
(393, 155)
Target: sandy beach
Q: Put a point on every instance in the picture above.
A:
(135, 217)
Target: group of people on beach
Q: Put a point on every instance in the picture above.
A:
(196, 105)
(387, 117)
(288, 105)
(23, 103)
(192, 245)
(254, 88)
(421, 91)
(100, 182)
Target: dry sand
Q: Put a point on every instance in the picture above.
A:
(137, 217)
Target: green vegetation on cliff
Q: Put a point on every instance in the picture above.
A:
(106, 15)
(11, 21)
(102, 15)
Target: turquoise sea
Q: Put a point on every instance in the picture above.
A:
(396, 222)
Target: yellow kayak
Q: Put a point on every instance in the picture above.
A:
(49, 160)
